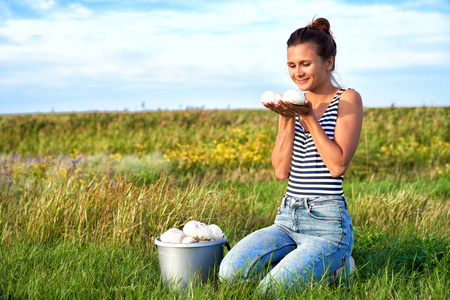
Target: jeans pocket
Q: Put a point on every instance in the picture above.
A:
(329, 212)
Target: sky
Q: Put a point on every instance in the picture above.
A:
(134, 55)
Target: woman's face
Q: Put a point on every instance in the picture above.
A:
(308, 70)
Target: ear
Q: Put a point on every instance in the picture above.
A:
(330, 64)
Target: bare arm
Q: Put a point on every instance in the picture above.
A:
(282, 152)
(338, 153)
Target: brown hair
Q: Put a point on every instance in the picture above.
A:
(317, 34)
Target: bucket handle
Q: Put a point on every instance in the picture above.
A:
(227, 245)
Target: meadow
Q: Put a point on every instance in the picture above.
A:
(84, 195)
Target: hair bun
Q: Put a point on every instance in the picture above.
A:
(321, 24)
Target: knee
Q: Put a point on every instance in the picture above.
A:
(227, 271)
(232, 270)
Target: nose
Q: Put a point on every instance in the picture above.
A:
(298, 72)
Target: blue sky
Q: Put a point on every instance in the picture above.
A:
(107, 55)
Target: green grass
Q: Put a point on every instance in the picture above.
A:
(395, 142)
(67, 270)
(80, 224)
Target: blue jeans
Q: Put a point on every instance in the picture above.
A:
(310, 238)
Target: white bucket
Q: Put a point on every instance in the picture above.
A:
(184, 265)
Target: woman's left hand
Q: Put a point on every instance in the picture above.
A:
(289, 110)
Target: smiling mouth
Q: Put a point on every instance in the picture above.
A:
(302, 80)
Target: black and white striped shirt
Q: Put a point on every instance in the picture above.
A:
(309, 177)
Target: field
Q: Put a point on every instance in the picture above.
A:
(84, 195)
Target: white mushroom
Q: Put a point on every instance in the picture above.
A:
(270, 96)
(198, 230)
(217, 232)
(173, 235)
(294, 96)
(189, 240)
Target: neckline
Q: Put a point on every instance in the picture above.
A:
(335, 97)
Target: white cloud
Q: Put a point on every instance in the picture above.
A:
(39, 4)
(217, 45)
(78, 10)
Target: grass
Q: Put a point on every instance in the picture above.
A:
(67, 270)
(395, 142)
(84, 195)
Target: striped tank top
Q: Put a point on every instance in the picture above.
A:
(309, 177)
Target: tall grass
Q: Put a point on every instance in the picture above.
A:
(84, 195)
(120, 210)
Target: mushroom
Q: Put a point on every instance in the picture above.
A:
(217, 232)
(189, 240)
(173, 235)
(294, 96)
(198, 230)
(270, 96)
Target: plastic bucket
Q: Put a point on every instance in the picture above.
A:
(185, 265)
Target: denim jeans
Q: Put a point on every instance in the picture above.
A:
(310, 238)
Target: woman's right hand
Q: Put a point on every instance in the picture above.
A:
(287, 109)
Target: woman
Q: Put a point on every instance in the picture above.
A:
(312, 234)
